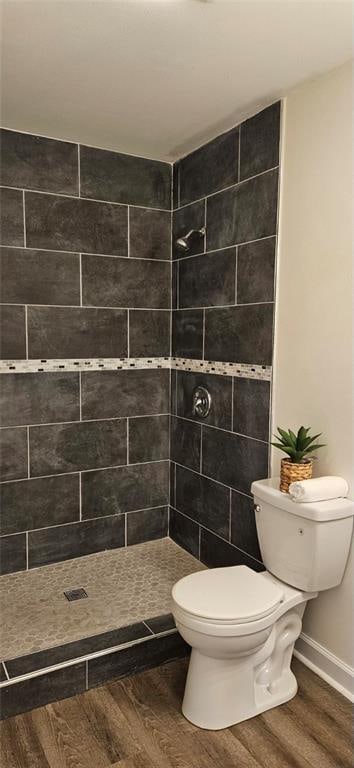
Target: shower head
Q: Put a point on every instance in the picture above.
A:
(184, 242)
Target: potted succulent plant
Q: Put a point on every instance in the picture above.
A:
(298, 447)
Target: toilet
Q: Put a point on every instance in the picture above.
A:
(242, 625)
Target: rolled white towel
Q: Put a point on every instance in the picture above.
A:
(319, 489)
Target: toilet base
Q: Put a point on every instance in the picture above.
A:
(221, 692)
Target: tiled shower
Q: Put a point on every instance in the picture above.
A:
(107, 328)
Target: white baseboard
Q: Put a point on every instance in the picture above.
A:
(325, 664)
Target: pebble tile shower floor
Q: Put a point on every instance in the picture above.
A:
(123, 586)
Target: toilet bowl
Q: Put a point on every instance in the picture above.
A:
(242, 627)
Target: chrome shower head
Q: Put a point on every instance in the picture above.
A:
(183, 242)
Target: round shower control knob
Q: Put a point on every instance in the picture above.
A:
(201, 402)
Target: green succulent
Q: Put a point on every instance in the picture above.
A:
(297, 446)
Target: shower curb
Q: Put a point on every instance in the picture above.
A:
(159, 642)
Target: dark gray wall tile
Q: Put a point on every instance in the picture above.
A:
(175, 185)
(70, 224)
(3, 677)
(108, 282)
(149, 438)
(149, 333)
(22, 665)
(184, 532)
(34, 398)
(13, 453)
(187, 333)
(125, 178)
(12, 553)
(242, 334)
(34, 162)
(243, 524)
(138, 657)
(212, 167)
(150, 233)
(39, 277)
(174, 286)
(41, 690)
(255, 271)
(220, 389)
(232, 459)
(110, 394)
(259, 148)
(84, 445)
(12, 333)
(146, 525)
(161, 623)
(52, 545)
(122, 489)
(242, 213)
(251, 408)
(208, 280)
(216, 553)
(39, 503)
(76, 332)
(183, 220)
(185, 443)
(11, 217)
(205, 501)
(172, 499)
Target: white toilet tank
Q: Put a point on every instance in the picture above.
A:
(304, 545)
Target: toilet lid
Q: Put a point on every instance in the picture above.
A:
(235, 594)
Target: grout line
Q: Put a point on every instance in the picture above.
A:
(24, 219)
(80, 399)
(128, 332)
(94, 306)
(80, 275)
(232, 403)
(78, 522)
(128, 231)
(80, 497)
(77, 471)
(203, 350)
(208, 477)
(127, 440)
(28, 457)
(31, 191)
(79, 169)
(5, 670)
(85, 253)
(239, 154)
(26, 330)
(89, 421)
(205, 225)
(201, 450)
(139, 258)
(221, 429)
(236, 276)
(230, 186)
(220, 537)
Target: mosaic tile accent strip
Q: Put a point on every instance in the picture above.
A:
(240, 370)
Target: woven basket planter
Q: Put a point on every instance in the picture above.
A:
(290, 473)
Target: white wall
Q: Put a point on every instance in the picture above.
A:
(313, 371)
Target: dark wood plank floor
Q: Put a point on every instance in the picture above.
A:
(136, 723)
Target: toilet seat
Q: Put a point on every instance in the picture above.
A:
(223, 596)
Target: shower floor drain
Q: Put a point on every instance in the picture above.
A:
(75, 594)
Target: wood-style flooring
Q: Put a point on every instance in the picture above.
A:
(137, 723)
